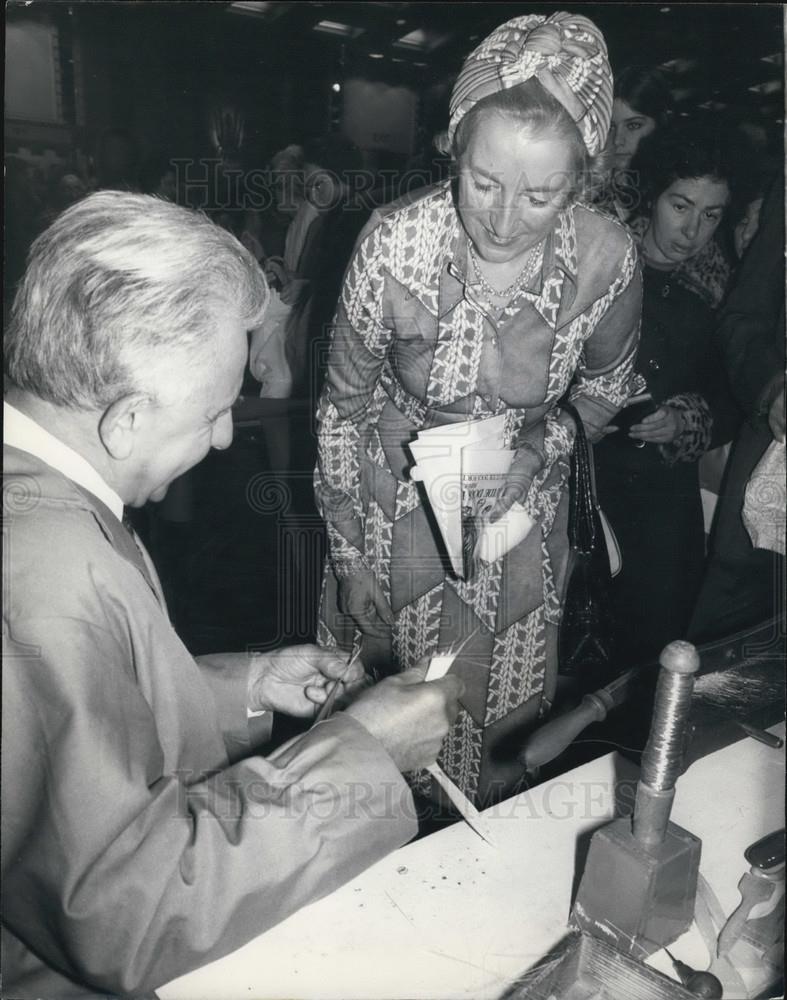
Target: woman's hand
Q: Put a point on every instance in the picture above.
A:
(614, 427)
(276, 272)
(282, 279)
(361, 597)
(661, 427)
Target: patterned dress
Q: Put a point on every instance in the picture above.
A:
(413, 346)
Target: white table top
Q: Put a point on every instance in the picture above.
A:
(451, 917)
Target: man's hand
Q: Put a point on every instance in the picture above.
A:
(661, 427)
(296, 679)
(409, 717)
(361, 597)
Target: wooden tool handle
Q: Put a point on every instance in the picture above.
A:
(553, 737)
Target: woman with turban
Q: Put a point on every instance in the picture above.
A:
(496, 293)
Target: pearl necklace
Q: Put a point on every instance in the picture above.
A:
(527, 272)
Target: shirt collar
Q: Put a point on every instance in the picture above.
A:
(561, 246)
(22, 432)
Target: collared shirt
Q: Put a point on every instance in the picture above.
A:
(21, 431)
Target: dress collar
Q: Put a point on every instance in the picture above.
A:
(706, 273)
(560, 254)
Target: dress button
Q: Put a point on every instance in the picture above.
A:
(665, 292)
(654, 365)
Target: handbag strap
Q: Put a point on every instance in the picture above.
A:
(583, 508)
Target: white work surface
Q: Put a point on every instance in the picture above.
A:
(449, 916)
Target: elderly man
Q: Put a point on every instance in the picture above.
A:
(144, 833)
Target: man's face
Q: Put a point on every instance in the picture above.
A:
(192, 416)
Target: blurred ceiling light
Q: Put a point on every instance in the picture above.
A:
(337, 28)
(268, 9)
(679, 65)
(770, 87)
(251, 7)
(422, 39)
(376, 55)
(336, 88)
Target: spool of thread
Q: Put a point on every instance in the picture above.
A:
(663, 757)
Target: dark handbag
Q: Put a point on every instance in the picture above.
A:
(586, 636)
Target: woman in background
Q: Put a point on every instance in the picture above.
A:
(643, 104)
(647, 471)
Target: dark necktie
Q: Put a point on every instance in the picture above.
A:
(135, 552)
(124, 539)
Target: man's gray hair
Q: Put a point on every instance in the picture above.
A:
(115, 282)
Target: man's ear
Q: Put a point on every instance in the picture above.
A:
(121, 422)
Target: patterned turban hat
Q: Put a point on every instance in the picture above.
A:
(566, 53)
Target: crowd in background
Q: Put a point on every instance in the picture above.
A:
(247, 394)
(304, 216)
